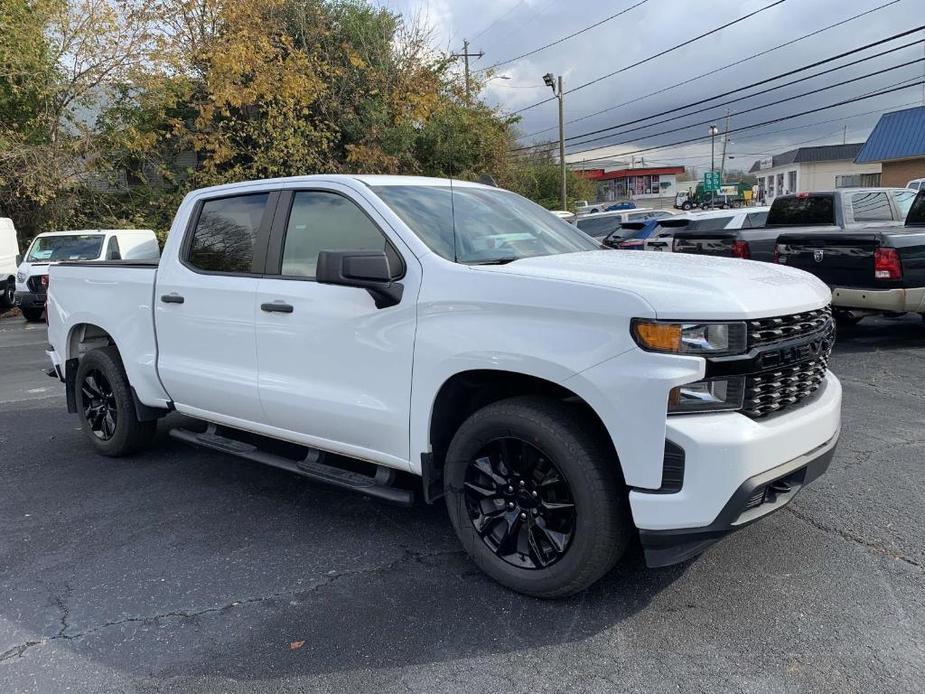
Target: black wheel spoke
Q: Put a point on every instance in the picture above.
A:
(482, 491)
(509, 540)
(483, 465)
(519, 503)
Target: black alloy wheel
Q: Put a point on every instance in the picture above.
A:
(99, 405)
(8, 297)
(520, 503)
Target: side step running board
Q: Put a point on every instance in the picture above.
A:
(379, 485)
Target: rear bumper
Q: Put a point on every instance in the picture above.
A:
(30, 300)
(899, 300)
(755, 498)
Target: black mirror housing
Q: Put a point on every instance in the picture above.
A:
(367, 270)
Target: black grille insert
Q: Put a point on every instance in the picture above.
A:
(771, 391)
(766, 331)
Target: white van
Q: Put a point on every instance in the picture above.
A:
(9, 259)
(83, 244)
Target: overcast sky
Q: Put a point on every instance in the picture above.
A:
(504, 29)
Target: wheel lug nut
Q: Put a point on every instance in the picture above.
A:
(522, 483)
(523, 516)
(510, 489)
(534, 494)
(510, 504)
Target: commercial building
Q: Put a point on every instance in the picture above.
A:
(808, 169)
(655, 186)
(897, 144)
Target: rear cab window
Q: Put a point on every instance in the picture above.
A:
(871, 207)
(710, 224)
(803, 210)
(904, 200)
(225, 234)
(601, 227)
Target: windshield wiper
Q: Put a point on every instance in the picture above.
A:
(496, 261)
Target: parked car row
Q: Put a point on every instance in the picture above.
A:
(867, 244)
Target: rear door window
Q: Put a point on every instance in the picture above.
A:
(871, 207)
(755, 220)
(225, 234)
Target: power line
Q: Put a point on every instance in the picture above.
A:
(748, 110)
(500, 17)
(724, 67)
(756, 125)
(661, 53)
(687, 127)
(764, 81)
(570, 36)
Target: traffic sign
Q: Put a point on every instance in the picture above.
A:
(711, 182)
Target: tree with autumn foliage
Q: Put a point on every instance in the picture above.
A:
(113, 109)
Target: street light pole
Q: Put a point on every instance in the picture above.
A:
(562, 142)
(552, 82)
(713, 131)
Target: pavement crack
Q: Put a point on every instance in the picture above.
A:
(61, 601)
(323, 582)
(17, 651)
(851, 537)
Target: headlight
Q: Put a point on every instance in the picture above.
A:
(711, 395)
(20, 277)
(706, 339)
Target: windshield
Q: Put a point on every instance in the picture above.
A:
(46, 249)
(491, 225)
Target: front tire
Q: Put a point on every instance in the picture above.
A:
(535, 496)
(32, 314)
(8, 295)
(106, 407)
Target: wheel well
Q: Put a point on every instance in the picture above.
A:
(468, 391)
(86, 337)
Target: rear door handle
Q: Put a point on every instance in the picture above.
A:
(172, 299)
(276, 307)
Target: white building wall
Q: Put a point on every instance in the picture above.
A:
(808, 177)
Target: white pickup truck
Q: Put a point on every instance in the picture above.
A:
(562, 397)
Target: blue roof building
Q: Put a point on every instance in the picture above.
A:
(898, 144)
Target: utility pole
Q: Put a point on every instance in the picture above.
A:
(722, 162)
(552, 82)
(465, 55)
(844, 136)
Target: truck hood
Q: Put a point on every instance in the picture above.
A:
(684, 286)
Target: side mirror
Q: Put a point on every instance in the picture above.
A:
(367, 270)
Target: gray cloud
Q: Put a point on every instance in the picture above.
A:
(518, 26)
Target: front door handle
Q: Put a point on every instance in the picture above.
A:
(276, 307)
(172, 298)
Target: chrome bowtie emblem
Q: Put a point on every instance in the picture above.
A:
(818, 254)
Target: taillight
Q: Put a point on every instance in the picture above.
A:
(887, 265)
(740, 249)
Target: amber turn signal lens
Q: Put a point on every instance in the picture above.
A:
(663, 337)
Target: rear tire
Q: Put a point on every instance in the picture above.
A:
(106, 407)
(554, 521)
(32, 314)
(686, 206)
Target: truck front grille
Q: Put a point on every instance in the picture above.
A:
(766, 331)
(771, 391)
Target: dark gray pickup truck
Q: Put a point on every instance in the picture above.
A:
(849, 209)
(872, 270)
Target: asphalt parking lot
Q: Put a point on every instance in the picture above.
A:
(182, 570)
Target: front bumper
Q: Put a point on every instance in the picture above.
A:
(898, 300)
(755, 498)
(30, 299)
(726, 453)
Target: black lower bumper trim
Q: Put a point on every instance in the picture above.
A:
(772, 490)
(30, 300)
